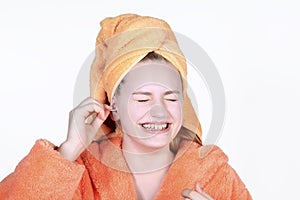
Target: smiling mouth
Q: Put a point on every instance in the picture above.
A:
(155, 127)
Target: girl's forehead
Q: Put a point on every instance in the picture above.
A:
(150, 73)
(153, 89)
(153, 73)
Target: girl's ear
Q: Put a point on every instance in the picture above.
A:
(114, 113)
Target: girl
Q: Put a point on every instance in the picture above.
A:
(137, 136)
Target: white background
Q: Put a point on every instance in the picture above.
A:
(254, 45)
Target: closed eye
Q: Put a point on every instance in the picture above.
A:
(141, 97)
(172, 100)
(142, 100)
(171, 96)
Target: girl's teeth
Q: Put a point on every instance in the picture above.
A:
(155, 126)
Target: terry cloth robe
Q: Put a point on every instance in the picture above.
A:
(45, 174)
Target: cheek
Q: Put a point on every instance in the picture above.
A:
(175, 110)
(136, 112)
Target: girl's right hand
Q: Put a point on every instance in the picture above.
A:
(84, 122)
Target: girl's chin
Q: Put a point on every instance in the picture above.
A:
(155, 143)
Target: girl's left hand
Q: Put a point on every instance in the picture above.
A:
(197, 194)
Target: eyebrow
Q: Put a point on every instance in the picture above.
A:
(142, 93)
(172, 92)
(149, 93)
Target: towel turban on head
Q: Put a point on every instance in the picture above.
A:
(122, 42)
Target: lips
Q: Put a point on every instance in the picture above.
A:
(155, 126)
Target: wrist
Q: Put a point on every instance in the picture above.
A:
(70, 151)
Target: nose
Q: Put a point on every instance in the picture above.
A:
(158, 113)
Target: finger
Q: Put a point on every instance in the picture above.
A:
(91, 118)
(192, 194)
(103, 114)
(97, 118)
(100, 118)
(88, 109)
(188, 193)
(87, 113)
(85, 110)
(108, 107)
(198, 187)
(207, 196)
(96, 123)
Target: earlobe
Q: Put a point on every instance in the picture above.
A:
(114, 115)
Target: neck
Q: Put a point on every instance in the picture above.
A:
(147, 161)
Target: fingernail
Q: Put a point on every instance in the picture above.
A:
(108, 107)
(198, 187)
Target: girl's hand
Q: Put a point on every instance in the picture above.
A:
(196, 194)
(84, 122)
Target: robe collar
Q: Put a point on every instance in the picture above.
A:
(112, 178)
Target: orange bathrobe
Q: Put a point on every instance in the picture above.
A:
(45, 174)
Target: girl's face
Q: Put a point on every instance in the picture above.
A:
(149, 106)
